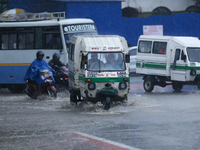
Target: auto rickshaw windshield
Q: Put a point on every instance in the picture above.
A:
(106, 61)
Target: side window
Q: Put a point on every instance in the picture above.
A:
(144, 47)
(25, 38)
(9, 37)
(53, 41)
(4, 44)
(71, 52)
(159, 47)
(177, 54)
(82, 63)
(52, 38)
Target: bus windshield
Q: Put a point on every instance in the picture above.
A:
(69, 35)
(105, 61)
(194, 54)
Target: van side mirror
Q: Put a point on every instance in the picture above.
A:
(184, 57)
(68, 46)
(84, 58)
(127, 57)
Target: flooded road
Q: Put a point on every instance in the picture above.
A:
(162, 119)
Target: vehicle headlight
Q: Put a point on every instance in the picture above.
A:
(91, 86)
(193, 72)
(122, 85)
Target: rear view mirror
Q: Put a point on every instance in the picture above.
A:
(84, 58)
(184, 57)
(127, 57)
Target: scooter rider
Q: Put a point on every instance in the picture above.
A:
(32, 75)
(55, 63)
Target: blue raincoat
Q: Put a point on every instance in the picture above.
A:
(33, 73)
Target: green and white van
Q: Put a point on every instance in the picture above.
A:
(168, 60)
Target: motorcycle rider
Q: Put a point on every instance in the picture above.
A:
(32, 76)
(55, 62)
(57, 65)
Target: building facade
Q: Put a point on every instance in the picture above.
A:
(144, 8)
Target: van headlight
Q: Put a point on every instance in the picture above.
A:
(122, 85)
(91, 86)
(193, 72)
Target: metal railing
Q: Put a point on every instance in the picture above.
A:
(32, 16)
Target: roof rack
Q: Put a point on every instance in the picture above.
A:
(32, 16)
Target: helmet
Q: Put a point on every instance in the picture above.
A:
(39, 53)
(56, 56)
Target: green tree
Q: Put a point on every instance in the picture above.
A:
(197, 2)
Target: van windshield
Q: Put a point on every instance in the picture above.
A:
(105, 61)
(194, 54)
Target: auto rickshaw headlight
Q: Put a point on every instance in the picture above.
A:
(122, 85)
(192, 72)
(91, 86)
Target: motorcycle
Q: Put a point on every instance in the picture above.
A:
(47, 86)
(61, 78)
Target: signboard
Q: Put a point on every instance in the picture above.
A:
(79, 28)
(153, 30)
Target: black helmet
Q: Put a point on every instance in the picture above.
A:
(39, 53)
(56, 56)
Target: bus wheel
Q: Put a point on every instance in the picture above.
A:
(148, 84)
(16, 88)
(177, 86)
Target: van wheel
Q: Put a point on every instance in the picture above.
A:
(177, 86)
(148, 84)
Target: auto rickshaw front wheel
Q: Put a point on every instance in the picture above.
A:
(177, 86)
(107, 103)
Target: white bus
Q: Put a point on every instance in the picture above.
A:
(21, 39)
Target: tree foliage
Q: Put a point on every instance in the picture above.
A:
(197, 2)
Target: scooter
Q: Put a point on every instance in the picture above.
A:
(62, 78)
(47, 87)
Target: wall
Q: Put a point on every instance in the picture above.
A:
(34, 6)
(105, 15)
(173, 25)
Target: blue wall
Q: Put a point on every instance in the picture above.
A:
(108, 18)
(35, 6)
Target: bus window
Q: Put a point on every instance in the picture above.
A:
(53, 41)
(21, 41)
(30, 41)
(4, 44)
(38, 38)
(12, 40)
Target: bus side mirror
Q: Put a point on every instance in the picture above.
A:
(127, 57)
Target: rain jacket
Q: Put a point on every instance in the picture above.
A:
(33, 73)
